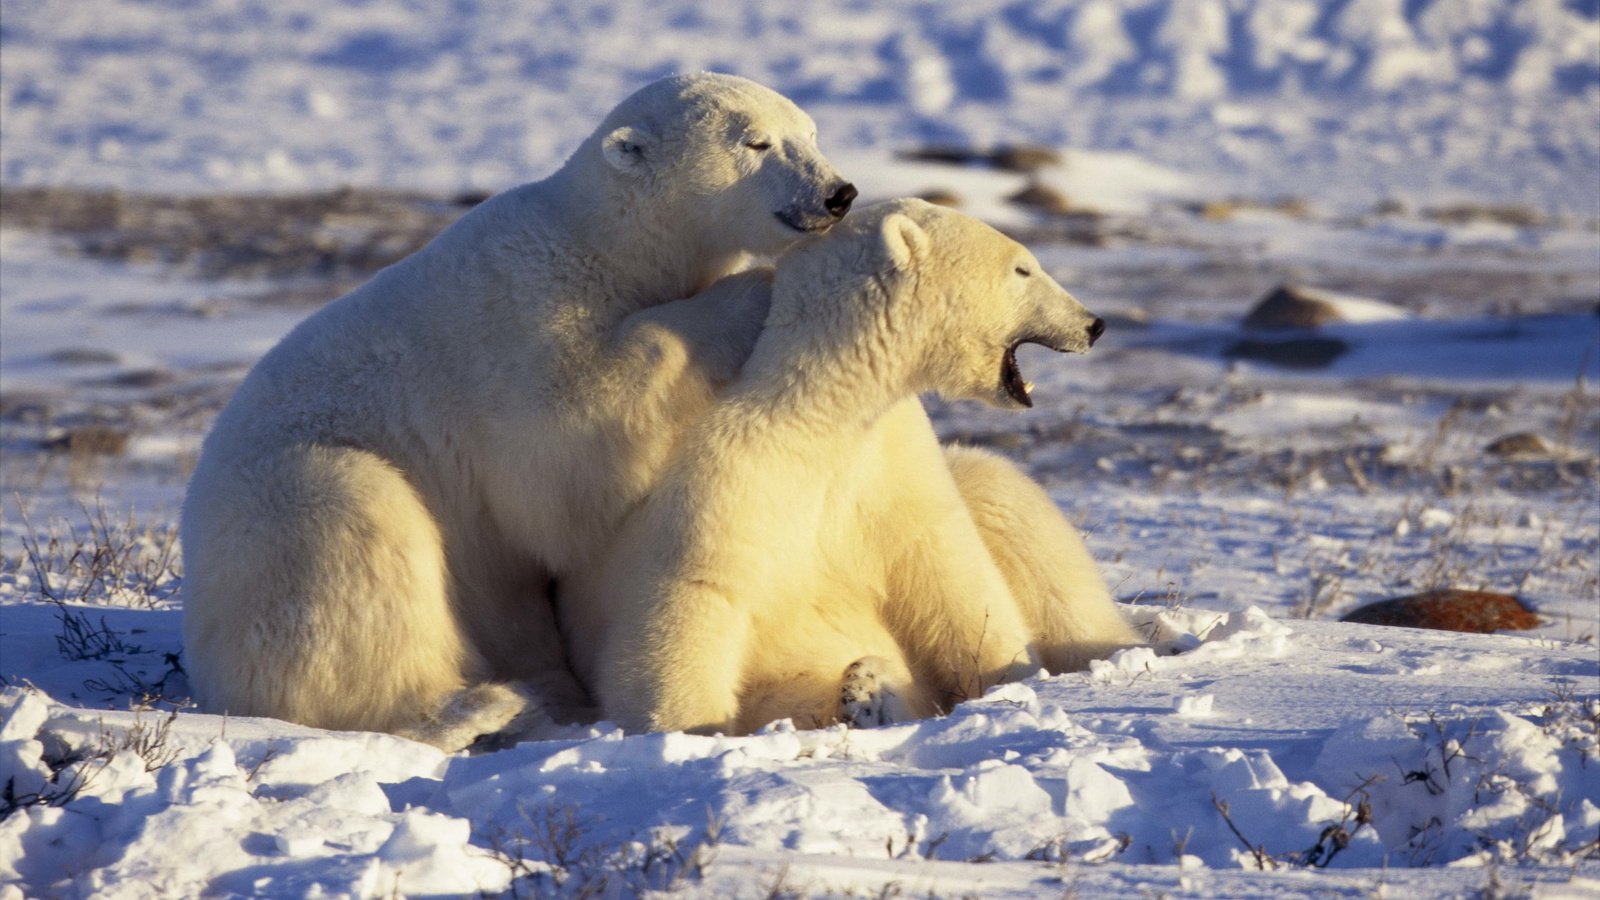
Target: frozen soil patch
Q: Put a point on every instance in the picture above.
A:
(333, 234)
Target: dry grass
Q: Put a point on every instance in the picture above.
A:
(553, 854)
(72, 770)
(99, 559)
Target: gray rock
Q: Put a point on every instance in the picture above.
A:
(1290, 306)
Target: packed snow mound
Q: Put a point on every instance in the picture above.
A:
(484, 93)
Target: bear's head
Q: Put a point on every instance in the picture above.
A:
(726, 157)
(947, 300)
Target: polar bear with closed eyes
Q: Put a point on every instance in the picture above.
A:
(376, 518)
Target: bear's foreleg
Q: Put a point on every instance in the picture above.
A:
(949, 607)
(681, 666)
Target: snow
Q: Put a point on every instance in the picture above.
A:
(1257, 747)
(1492, 102)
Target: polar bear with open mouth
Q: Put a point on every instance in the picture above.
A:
(813, 553)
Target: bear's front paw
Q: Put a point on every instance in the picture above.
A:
(864, 699)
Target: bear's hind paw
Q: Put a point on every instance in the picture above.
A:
(864, 699)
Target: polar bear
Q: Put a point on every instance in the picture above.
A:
(377, 515)
(813, 552)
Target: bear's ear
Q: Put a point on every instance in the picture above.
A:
(904, 241)
(628, 148)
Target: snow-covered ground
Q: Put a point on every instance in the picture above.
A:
(1239, 507)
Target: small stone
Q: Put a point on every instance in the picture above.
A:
(32, 408)
(136, 378)
(84, 356)
(1293, 207)
(1522, 443)
(1514, 214)
(1024, 158)
(1433, 520)
(1449, 609)
(943, 153)
(941, 197)
(1391, 206)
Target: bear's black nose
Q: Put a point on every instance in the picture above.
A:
(1096, 328)
(839, 203)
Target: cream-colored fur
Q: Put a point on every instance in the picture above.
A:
(813, 552)
(377, 516)
(1045, 563)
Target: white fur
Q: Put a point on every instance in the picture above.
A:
(378, 514)
(813, 552)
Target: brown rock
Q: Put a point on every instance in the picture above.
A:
(1290, 306)
(1025, 158)
(1041, 198)
(1449, 609)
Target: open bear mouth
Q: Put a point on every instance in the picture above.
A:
(803, 225)
(1011, 379)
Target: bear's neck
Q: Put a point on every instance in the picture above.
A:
(825, 369)
(650, 250)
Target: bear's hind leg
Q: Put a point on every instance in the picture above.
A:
(1043, 558)
(484, 716)
(316, 593)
